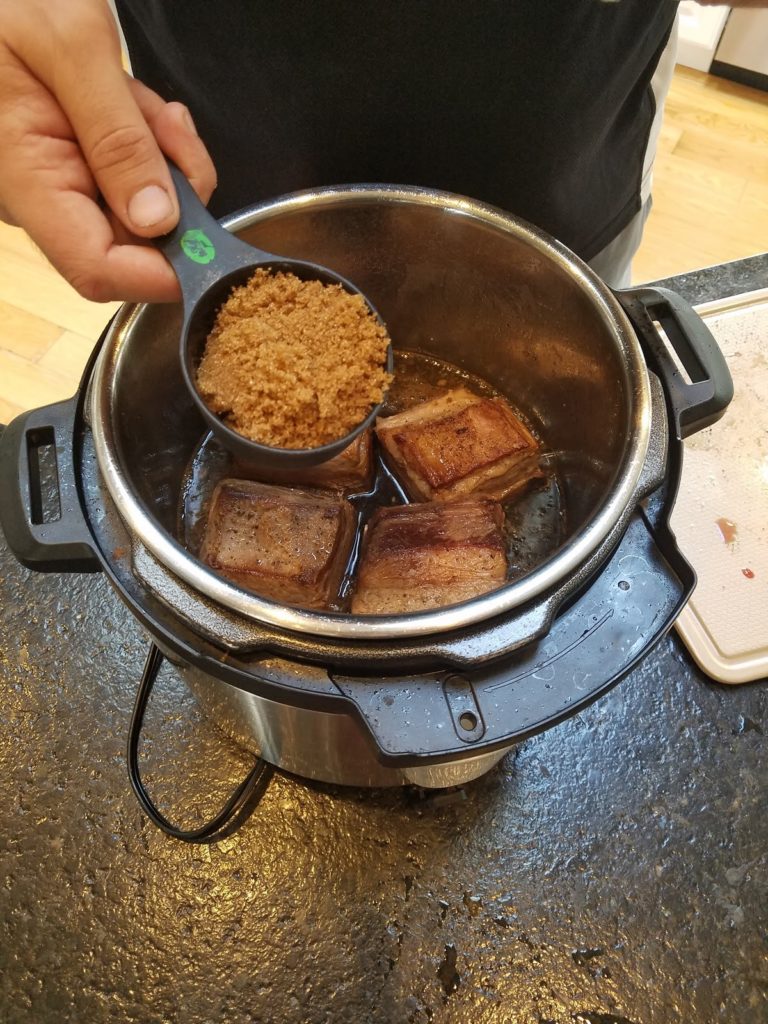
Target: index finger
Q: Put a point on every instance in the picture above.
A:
(117, 143)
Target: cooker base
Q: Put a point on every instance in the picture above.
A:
(315, 744)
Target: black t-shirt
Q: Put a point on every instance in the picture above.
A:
(541, 107)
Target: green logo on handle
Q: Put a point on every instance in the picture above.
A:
(197, 246)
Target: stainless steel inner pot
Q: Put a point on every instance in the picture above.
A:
(452, 278)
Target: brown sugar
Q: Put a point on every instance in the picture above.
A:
(292, 363)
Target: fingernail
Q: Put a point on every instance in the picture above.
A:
(187, 119)
(149, 206)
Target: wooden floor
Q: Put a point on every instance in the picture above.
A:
(710, 206)
(710, 193)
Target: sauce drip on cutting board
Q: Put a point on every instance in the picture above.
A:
(727, 529)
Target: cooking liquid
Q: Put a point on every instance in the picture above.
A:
(534, 521)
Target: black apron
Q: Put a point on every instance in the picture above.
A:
(541, 107)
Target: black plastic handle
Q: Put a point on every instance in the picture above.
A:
(40, 509)
(241, 803)
(199, 249)
(702, 401)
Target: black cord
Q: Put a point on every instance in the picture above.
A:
(241, 803)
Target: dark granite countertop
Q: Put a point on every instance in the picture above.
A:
(712, 283)
(612, 870)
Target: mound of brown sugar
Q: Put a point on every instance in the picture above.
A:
(292, 363)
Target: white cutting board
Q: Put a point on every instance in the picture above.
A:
(720, 517)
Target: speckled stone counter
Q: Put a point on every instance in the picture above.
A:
(722, 282)
(613, 870)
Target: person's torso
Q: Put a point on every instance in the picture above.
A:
(541, 107)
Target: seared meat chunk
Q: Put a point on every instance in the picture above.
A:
(417, 557)
(350, 471)
(459, 445)
(283, 543)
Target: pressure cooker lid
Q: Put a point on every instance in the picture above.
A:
(453, 279)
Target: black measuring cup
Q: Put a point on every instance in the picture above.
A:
(209, 262)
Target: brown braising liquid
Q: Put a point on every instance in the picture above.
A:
(534, 521)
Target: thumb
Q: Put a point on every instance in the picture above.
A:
(117, 143)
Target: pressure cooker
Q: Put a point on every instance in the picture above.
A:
(613, 380)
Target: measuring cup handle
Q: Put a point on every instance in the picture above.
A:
(199, 249)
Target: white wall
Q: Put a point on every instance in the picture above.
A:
(700, 29)
(745, 41)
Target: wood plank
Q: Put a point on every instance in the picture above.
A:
(669, 136)
(677, 175)
(29, 283)
(750, 157)
(722, 222)
(744, 116)
(67, 357)
(699, 88)
(26, 335)
(754, 207)
(26, 385)
(710, 190)
(15, 240)
(9, 411)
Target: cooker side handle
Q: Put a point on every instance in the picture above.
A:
(702, 400)
(40, 510)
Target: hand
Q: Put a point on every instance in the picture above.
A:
(81, 164)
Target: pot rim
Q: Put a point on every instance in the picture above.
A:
(341, 624)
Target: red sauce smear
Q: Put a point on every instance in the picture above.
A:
(748, 573)
(727, 529)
